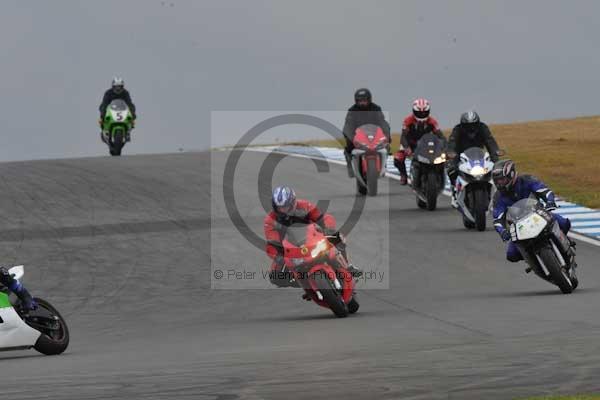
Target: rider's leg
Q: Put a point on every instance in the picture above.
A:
(399, 158)
(348, 155)
(512, 253)
(17, 288)
(280, 276)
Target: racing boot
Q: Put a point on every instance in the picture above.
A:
(403, 179)
(355, 272)
(453, 201)
(349, 164)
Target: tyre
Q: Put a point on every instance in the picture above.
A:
(372, 177)
(431, 190)
(559, 276)
(117, 144)
(480, 206)
(52, 341)
(353, 305)
(330, 295)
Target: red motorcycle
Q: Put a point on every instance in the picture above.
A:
(369, 157)
(320, 268)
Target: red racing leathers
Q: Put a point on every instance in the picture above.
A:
(275, 229)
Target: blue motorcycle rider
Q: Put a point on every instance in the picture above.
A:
(512, 188)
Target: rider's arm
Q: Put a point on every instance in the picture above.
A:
(490, 142)
(274, 247)
(499, 213)
(349, 126)
(383, 123)
(127, 99)
(451, 147)
(541, 191)
(315, 215)
(104, 103)
(405, 133)
(436, 129)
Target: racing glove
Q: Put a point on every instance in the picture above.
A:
(505, 235)
(551, 206)
(408, 151)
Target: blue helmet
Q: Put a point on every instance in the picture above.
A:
(283, 200)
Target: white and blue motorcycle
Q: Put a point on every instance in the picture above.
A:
(474, 187)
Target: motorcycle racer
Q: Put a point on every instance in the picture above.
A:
(413, 128)
(287, 210)
(364, 111)
(512, 188)
(470, 132)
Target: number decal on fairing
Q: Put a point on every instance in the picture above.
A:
(119, 116)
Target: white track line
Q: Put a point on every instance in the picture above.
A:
(574, 235)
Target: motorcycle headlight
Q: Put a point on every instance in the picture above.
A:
(478, 171)
(441, 159)
(319, 248)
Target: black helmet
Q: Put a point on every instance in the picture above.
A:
(362, 94)
(504, 175)
(469, 117)
(470, 121)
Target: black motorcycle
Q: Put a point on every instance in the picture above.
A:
(427, 170)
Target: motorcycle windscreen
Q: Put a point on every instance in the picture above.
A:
(475, 155)
(429, 146)
(118, 105)
(368, 129)
(521, 209)
(296, 234)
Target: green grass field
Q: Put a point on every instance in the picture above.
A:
(563, 153)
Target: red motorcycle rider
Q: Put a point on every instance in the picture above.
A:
(413, 128)
(288, 210)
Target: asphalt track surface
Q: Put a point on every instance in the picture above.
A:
(122, 246)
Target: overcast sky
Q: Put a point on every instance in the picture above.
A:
(512, 60)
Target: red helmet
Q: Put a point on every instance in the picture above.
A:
(421, 109)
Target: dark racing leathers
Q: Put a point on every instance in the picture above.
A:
(412, 131)
(524, 187)
(111, 95)
(358, 116)
(275, 227)
(15, 286)
(460, 141)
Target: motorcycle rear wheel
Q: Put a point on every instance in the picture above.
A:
(50, 342)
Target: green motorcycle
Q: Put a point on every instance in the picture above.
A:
(117, 126)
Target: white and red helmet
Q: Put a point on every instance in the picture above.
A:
(421, 109)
